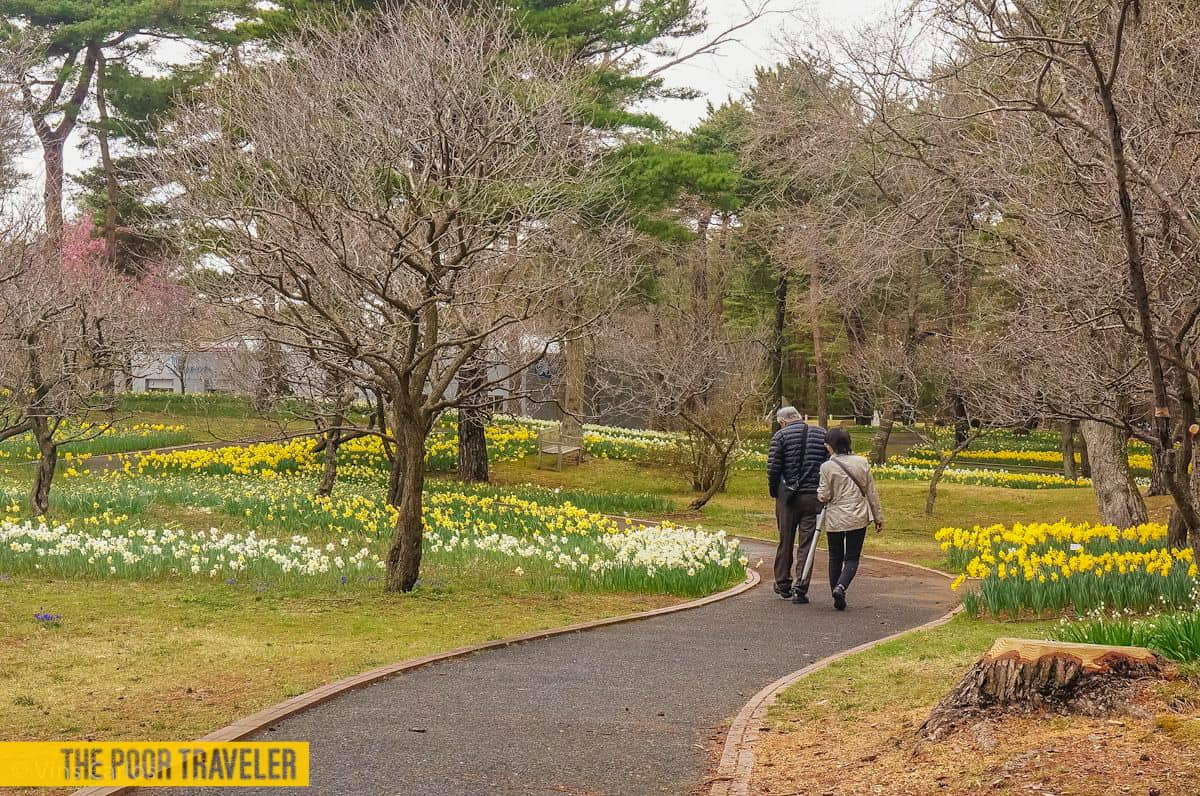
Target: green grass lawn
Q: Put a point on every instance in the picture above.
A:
(908, 671)
(202, 427)
(175, 660)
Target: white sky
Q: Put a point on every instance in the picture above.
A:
(729, 73)
(720, 76)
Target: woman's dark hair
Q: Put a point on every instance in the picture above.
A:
(839, 440)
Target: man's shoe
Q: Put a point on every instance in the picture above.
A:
(786, 595)
(799, 599)
(839, 598)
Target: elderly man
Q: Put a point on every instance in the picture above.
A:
(793, 475)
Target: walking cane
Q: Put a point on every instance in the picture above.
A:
(812, 549)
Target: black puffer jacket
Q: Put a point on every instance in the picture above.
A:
(795, 458)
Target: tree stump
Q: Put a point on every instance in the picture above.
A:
(1021, 676)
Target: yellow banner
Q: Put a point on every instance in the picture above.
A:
(83, 764)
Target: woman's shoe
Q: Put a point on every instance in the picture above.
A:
(839, 598)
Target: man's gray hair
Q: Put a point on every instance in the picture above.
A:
(787, 414)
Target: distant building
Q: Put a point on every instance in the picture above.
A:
(213, 368)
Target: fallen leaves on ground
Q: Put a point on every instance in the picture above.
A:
(1151, 751)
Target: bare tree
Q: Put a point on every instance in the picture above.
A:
(1101, 167)
(12, 140)
(881, 220)
(996, 134)
(65, 318)
(684, 368)
(364, 185)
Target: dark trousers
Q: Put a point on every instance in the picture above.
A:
(797, 532)
(845, 548)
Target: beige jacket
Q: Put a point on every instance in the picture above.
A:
(845, 507)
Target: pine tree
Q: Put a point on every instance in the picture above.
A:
(57, 50)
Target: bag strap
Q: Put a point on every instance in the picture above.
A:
(857, 483)
(803, 461)
(803, 454)
(851, 476)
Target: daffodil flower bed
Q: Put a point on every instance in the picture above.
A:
(660, 559)
(1174, 636)
(1139, 463)
(266, 457)
(623, 444)
(535, 535)
(901, 468)
(506, 442)
(33, 547)
(1053, 567)
(98, 439)
(616, 442)
(918, 465)
(1008, 440)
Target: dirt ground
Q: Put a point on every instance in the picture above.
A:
(1153, 750)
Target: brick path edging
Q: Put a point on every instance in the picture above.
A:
(735, 770)
(297, 704)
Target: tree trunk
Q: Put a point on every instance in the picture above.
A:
(124, 374)
(1022, 676)
(329, 473)
(1194, 532)
(778, 345)
(1160, 471)
(720, 476)
(700, 263)
(472, 447)
(404, 555)
(1068, 450)
(574, 377)
(818, 341)
(472, 420)
(934, 479)
(801, 399)
(1137, 275)
(856, 337)
(106, 162)
(52, 193)
(962, 422)
(1117, 495)
(395, 479)
(1177, 530)
(39, 496)
(1085, 461)
(1179, 534)
(883, 435)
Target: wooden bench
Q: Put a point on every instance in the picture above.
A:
(551, 443)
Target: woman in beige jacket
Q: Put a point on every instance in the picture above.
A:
(851, 503)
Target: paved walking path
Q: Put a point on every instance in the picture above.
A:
(630, 709)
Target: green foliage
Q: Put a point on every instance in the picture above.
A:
(69, 36)
(140, 103)
(68, 26)
(201, 404)
(653, 175)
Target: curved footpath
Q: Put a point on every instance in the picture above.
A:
(633, 709)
